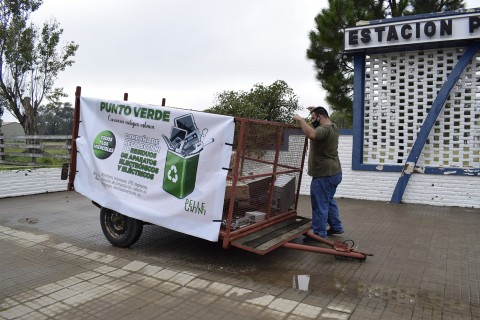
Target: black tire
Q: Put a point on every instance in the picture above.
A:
(120, 230)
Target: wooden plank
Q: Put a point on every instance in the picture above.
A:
(264, 231)
(22, 164)
(275, 233)
(36, 155)
(36, 146)
(268, 239)
(21, 146)
(285, 237)
(37, 137)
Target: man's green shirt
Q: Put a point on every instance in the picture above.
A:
(323, 156)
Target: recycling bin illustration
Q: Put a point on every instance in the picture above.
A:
(184, 145)
(180, 174)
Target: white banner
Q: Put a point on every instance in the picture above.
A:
(161, 165)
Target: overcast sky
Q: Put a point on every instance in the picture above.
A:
(186, 51)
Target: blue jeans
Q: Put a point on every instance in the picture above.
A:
(324, 206)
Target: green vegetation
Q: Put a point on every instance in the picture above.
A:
(53, 154)
(30, 61)
(335, 68)
(276, 102)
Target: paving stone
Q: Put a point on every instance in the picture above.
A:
(425, 267)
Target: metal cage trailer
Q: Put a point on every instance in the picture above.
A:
(261, 194)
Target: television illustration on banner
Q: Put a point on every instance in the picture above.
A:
(184, 145)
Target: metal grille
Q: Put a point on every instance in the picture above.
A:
(265, 171)
(400, 88)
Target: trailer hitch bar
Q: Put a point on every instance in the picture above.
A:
(338, 248)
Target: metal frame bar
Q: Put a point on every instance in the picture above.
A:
(429, 121)
(227, 235)
(338, 249)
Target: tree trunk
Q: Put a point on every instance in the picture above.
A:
(30, 125)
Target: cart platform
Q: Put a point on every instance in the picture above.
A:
(265, 240)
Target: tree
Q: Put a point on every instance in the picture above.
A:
(55, 118)
(334, 68)
(30, 61)
(426, 6)
(2, 108)
(276, 102)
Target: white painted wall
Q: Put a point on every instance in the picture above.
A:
(439, 190)
(15, 183)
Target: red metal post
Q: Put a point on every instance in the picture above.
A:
(73, 152)
(337, 248)
(231, 196)
(305, 145)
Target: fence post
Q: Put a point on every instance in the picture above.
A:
(32, 141)
(2, 149)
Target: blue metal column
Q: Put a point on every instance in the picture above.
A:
(430, 121)
(358, 109)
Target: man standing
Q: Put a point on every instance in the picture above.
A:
(325, 169)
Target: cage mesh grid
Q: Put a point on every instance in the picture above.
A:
(269, 159)
(400, 89)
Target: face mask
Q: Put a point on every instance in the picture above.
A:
(316, 123)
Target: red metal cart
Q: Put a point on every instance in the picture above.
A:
(261, 197)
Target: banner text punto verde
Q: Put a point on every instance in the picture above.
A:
(144, 113)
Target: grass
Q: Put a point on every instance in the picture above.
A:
(45, 159)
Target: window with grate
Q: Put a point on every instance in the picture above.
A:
(400, 89)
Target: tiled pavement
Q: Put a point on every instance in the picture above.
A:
(55, 264)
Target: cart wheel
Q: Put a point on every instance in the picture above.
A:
(120, 230)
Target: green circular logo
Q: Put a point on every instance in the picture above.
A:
(104, 144)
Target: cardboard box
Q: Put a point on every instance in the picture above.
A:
(241, 190)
